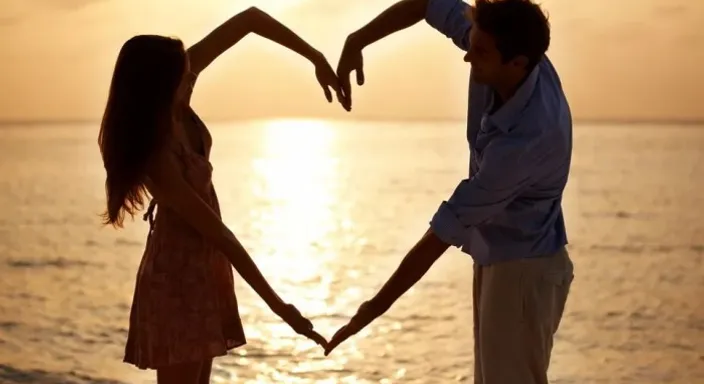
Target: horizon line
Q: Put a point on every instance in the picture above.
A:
(592, 121)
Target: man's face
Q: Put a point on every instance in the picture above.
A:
(487, 64)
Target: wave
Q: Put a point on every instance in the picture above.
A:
(12, 375)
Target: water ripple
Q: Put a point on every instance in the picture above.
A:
(327, 227)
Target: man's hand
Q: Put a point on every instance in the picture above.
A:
(416, 263)
(365, 315)
(326, 77)
(350, 60)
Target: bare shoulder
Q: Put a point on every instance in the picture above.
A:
(163, 170)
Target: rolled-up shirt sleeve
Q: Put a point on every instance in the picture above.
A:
(449, 18)
(508, 166)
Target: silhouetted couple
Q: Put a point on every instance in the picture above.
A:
(506, 214)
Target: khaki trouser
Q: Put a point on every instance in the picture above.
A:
(517, 310)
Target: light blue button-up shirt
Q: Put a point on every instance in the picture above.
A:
(510, 207)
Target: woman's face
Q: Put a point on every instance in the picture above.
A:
(186, 87)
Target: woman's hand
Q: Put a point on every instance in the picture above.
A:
(300, 324)
(326, 77)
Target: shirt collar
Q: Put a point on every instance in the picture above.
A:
(507, 115)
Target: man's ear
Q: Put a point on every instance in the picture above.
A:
(469, 12)
(520, 61)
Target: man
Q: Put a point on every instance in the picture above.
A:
(507, 215)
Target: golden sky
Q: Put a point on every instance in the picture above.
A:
(633, 59)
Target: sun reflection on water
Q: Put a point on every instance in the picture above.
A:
(296, 176)
(296, 187)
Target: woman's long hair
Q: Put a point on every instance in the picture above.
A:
(138, 118)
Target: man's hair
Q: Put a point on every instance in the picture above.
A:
(520, 27)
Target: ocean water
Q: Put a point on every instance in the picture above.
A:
(327, 210)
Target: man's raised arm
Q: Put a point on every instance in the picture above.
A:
(447, 16)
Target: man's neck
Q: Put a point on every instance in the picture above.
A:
(508, 88)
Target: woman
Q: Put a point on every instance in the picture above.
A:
(184, 311)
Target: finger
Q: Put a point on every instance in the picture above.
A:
(318, 338)
(343, 334)
(332, 344)
(347, 100)
(335, 85)
(328, 94)
(360, 75)
(340, 96)
(307, 324)
(300, 324)
(346, 89)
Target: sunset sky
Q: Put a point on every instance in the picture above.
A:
(627, 59)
